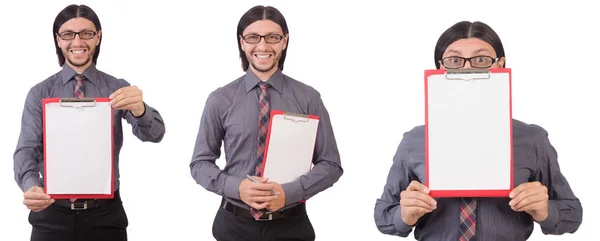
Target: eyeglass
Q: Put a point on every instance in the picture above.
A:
(455, 62)
(270, 38)
(86, 34)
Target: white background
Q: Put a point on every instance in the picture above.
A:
(367, 60)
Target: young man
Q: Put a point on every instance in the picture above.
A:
(237, 115)
(77, 34)
(542, 194)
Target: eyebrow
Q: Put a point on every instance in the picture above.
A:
(452, 51)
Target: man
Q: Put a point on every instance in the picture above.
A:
(237, 115)
(77, 35)
(542, 194)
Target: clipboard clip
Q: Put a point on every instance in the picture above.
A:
(296, 117)
(77, 103)
(467, 74)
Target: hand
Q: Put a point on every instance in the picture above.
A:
(256, 195)
(36, 200)
(415, 202)
(531, 197)
(128, 98)
(279, 202)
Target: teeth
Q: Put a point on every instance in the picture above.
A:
(263, 56)
(77, 51)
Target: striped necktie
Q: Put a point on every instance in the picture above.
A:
(468, 219)
(79, 90)
(263, 124)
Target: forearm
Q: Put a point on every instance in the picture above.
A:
(322, 176)
(149, 126)
(388, 218)
(26, 171)
(208, 175)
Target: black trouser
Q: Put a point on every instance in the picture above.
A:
(102, 221)
(231, 225)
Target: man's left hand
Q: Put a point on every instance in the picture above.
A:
(279, 202)
(128, 98)
(531, 197)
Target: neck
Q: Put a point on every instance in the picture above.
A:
(264, 75)
(79, 69)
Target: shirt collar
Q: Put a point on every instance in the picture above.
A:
(276, 80)
(67, 73)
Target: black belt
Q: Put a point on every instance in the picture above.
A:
(297, 210)
(83, 204)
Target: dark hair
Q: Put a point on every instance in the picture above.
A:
(466, 29)
(257, 13)
(68, 13)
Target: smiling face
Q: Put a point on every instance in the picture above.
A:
(262, 56)
(78, 51)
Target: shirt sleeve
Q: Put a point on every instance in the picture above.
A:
(388, 213)
(29, 152)
(327, 167)
(147, 127)
(564, 208)
(208, 149)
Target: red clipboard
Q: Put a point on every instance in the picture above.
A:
(305, 129)
(76, 104)
(502, 187)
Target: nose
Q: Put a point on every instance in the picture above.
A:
(467, 65)
(262, 43)
(77, 39)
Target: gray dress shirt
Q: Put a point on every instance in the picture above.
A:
(28, 157)
(230, 117)
(534, 159)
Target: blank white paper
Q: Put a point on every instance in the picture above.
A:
(469, 133)
(78, 149)
(290, 148)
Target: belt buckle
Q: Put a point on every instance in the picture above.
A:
(268, 218)
(79, 206)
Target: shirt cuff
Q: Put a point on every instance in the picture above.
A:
(146, 118)
(232, 187)
(400, 226)
(293, 192)
(30, 182)
(553, 217)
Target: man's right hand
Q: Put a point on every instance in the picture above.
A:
(36, 200)
(257, 195)
(415, 202)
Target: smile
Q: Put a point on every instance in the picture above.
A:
(78, 51)
(262, 56)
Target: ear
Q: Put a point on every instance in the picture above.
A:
(441, 65)
(285, 41)
(99, 37)
(501, 63)
(57, 40)
(242, 43)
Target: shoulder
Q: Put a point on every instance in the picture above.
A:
(300, 87)
(111, 81)
(225, 93)
(528, 132)
(45, 85)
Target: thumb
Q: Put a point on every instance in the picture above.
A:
(37, 189)
(262, 179)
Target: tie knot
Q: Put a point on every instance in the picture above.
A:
(79, 77)
(263, 85)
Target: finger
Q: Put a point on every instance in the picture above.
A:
(262, 199)
(418, 210)
(259, 193)
(418, 195)
(123, 103)
(532, 206)
(258, 206)
(526, 193)
(36, 195)
(122, 90)
(417, 186)
(539, 198)
(261, 179)
(35, 202)
(262, 186)
(524, 186)
(411, 202)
